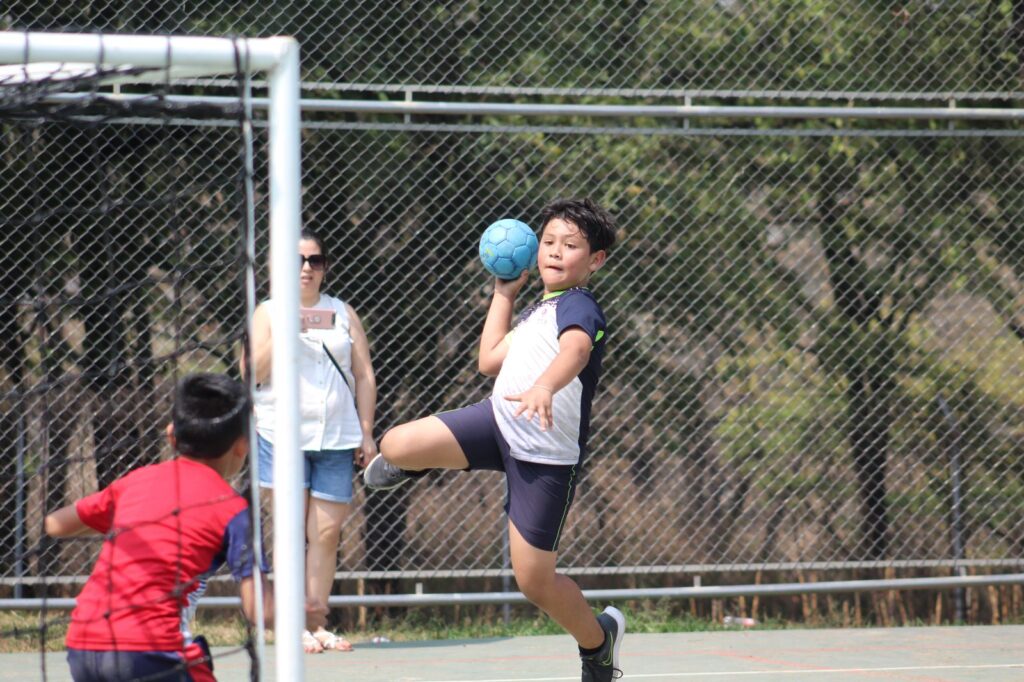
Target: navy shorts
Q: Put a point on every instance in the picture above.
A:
(538, 496)
(194, 664)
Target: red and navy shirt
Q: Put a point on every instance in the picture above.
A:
(168, 527)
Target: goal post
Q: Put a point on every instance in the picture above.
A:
(125, 57)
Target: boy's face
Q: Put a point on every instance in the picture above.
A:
(564, 257)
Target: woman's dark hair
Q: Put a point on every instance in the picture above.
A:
(211, 411)
(314, 237)
(596, 224)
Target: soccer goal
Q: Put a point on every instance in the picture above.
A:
(128, 203)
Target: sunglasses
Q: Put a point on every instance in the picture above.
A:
(316, 262)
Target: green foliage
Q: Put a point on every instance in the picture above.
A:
(775, 292)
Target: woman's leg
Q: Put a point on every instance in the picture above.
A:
(327, 511)
(265, 453)
(324, 522)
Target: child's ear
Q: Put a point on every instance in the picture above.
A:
(170, 437)
(241, 447)
(597, 259)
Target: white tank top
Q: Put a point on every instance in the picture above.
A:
(327, 408)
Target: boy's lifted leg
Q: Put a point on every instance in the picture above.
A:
(407, 451)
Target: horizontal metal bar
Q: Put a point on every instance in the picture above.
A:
(657, 111)
(505, 109)
(693, 569)
(664, 131)
(219, 54)
(654, 569)
(703, 592)
(621, 131)
(661, 92)
(711, 93)
(709, 592)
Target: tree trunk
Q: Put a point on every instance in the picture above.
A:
(869, 440)
(104, 259)
(868, 412)
(1017, 31)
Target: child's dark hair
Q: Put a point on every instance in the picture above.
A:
(312, 236)
(596, 224)
(210, 412)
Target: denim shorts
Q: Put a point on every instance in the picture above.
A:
(327, 473)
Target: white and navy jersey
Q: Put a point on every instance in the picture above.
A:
(533, 345)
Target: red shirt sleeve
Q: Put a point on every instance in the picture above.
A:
(97, 510)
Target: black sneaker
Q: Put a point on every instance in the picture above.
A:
(604, 665)
(380, 474)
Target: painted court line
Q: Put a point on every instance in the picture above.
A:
(752, 673)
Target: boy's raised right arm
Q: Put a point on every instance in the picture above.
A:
(493, 347)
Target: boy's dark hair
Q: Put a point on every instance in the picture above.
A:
(210, 412)
(596, 224)
(312, 236)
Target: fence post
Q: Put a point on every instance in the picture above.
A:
(19, 508)
(956, 520)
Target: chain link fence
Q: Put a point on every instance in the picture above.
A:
(813, 356)
(122, 269)
(814, 353)
(960, 47)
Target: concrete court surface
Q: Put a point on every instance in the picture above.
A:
(925, 654)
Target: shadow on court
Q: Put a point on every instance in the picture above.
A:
(933, 654)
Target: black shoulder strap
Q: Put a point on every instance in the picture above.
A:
(338, 367)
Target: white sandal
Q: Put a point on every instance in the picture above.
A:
(310, 644)
(329, 641)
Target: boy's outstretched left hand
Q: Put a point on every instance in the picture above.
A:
(535, 400)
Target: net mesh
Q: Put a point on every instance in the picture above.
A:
(112, 286)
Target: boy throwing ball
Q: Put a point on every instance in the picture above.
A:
(169, 526)
(534, 426)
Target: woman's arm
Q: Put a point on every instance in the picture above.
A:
(262, 345)
(366, 387)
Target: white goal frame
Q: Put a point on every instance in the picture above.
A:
(278, 58)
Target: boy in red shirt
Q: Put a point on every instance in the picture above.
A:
(168, 527)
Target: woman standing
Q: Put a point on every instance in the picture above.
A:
(337, 400)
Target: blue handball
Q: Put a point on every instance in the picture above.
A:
(508, 247)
